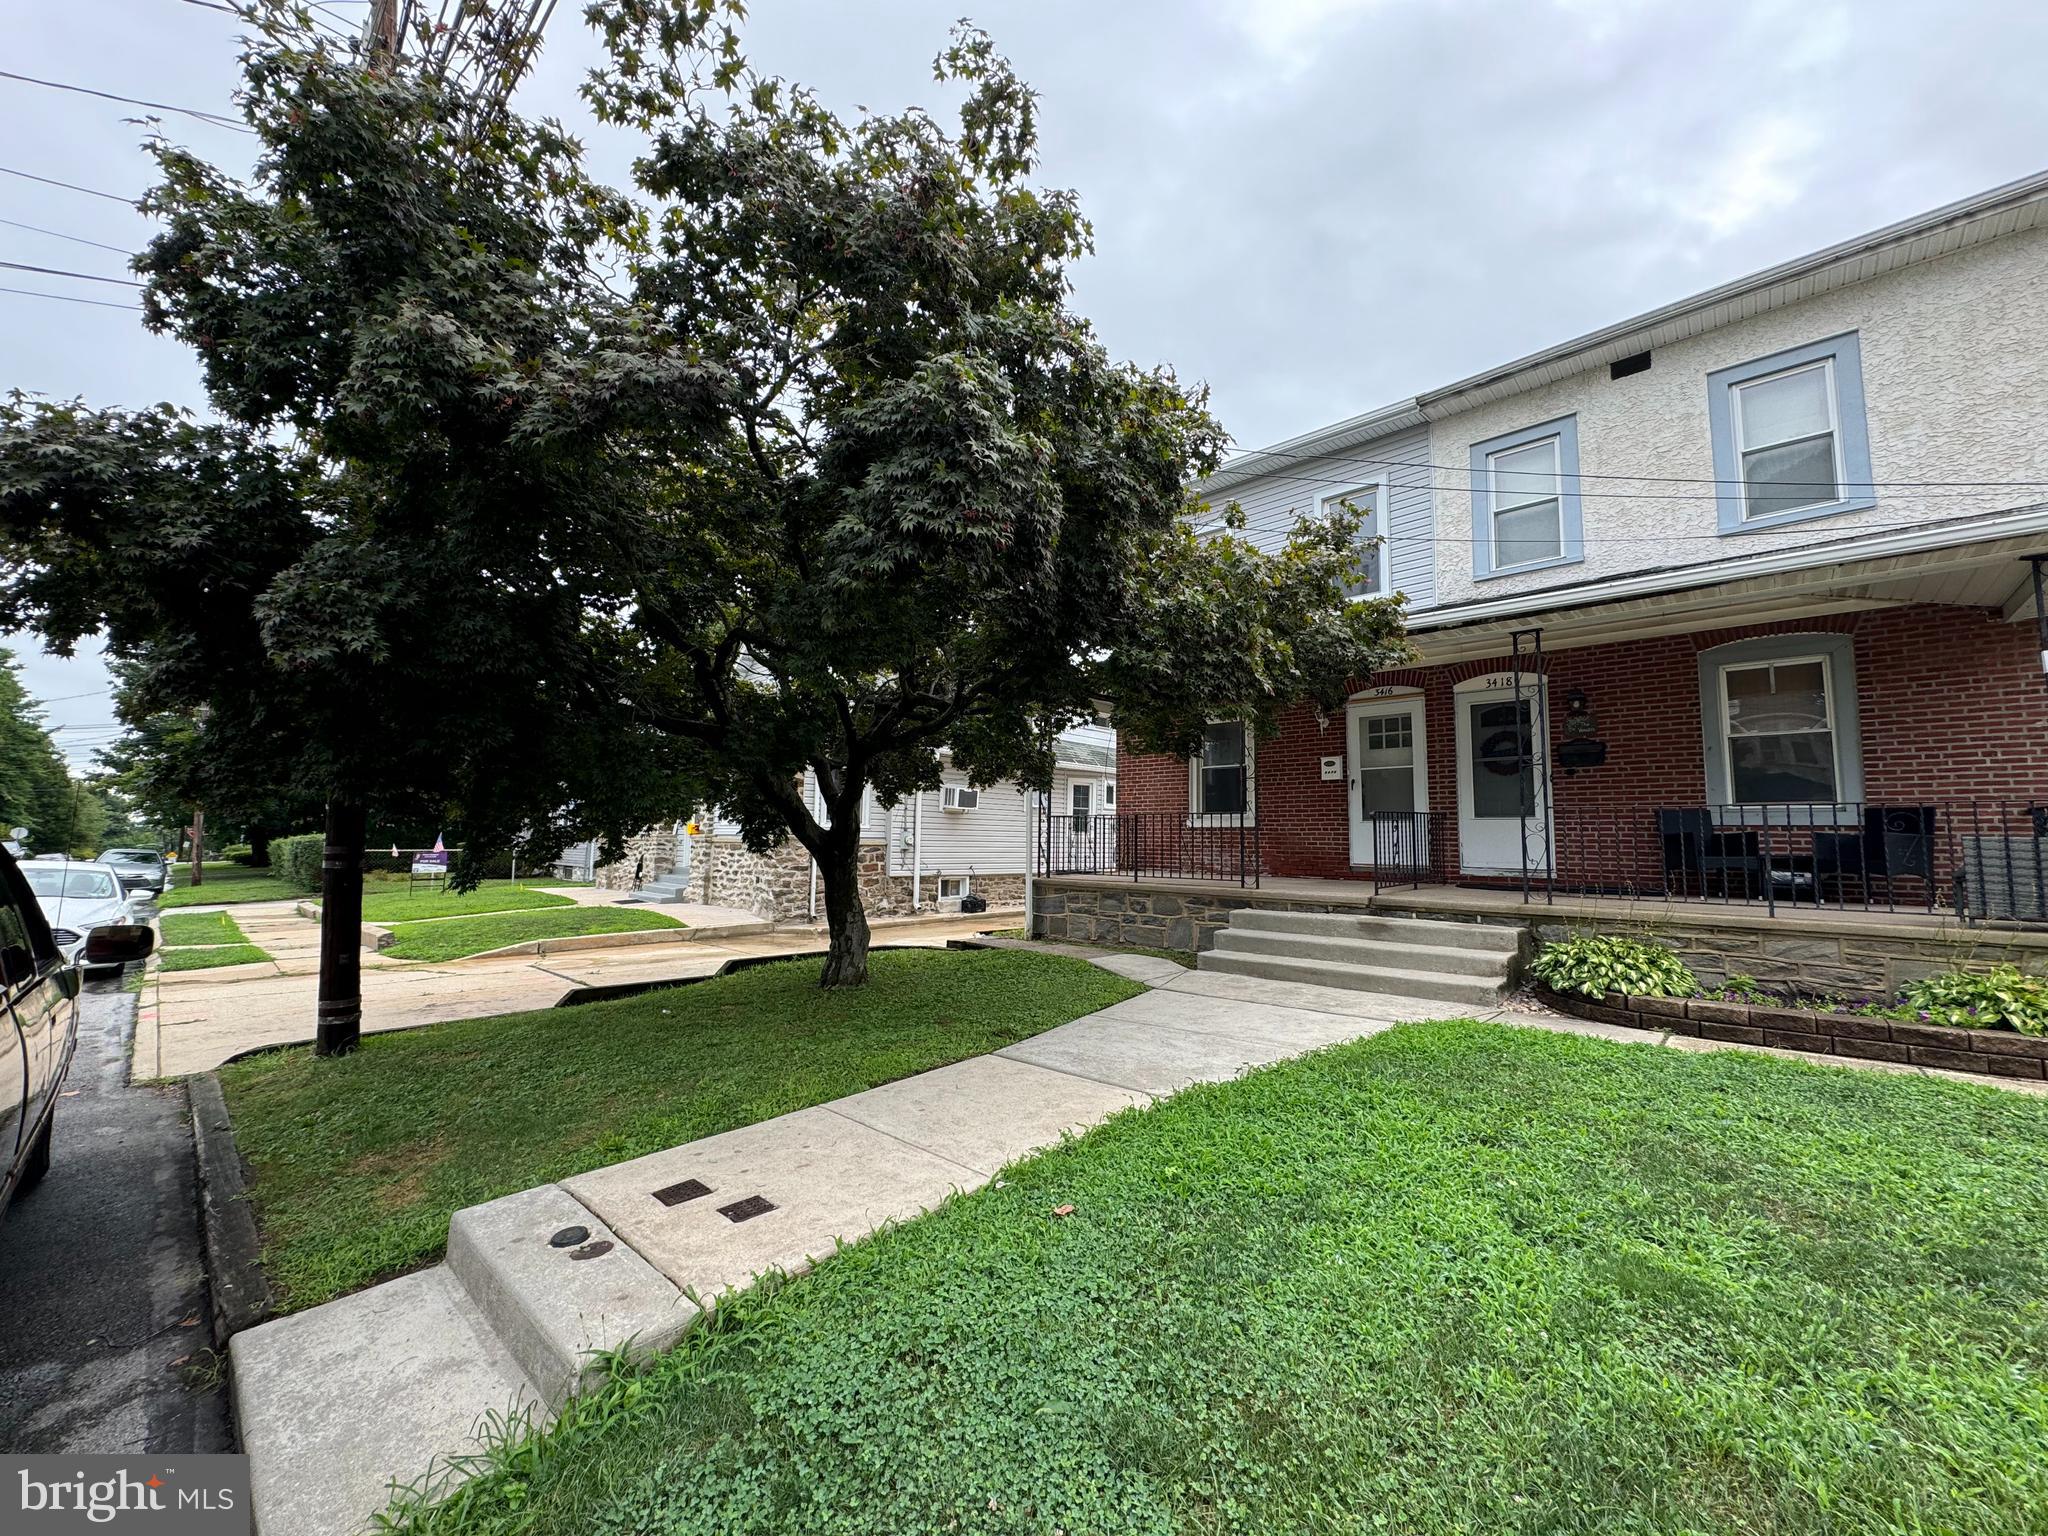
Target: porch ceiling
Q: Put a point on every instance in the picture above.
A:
(1988, 574)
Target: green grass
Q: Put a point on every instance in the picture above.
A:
(209, 959)
(1458, 1278)
(452, 938)
(397, 906)
(224, 883)
(358, 1162)
(183, 928)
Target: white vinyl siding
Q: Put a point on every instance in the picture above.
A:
(1406, 517)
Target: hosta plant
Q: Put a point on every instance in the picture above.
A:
(1595, 964)
(2004, 997)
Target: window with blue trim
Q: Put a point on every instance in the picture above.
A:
(1525, 500)
(1790, 441)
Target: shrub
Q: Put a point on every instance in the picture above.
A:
(296, 860)
(1595, 964)
(2004, 997)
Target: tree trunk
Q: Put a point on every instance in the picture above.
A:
(338, 1022)
(197, 873)
(259, 850)
(846, 959)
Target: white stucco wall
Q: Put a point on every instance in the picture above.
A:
(1955, 380)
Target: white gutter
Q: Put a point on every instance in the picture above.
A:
(1030, 864)
(917, 851)
(1876, 546)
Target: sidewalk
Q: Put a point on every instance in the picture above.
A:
(630, 1255)
(535, 1282)
(192, 1021)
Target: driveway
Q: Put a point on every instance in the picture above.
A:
(102, 1293)
(192, 1021)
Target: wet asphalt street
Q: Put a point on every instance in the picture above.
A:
(102, 1292)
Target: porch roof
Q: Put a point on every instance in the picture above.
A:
(1970, 562)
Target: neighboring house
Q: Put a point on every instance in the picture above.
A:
(1763, 555)
(926, 853)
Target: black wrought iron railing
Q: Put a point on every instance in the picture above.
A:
(1984, 861)
(1408, 848)
(1150, 845)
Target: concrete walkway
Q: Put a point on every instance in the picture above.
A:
(337, 1402)
(192, 1021)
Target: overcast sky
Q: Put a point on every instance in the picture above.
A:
(1316, 206)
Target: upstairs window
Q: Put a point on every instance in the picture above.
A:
(1786, 441)
(1222, 784)
(1789, 436)
(1371, 501)
(1525, 500)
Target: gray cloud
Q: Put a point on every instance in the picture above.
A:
(1315, 205)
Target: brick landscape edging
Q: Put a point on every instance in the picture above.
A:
(1988, 1052)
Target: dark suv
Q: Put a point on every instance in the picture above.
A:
(39, 1022)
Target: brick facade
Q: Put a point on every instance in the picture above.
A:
(1951, 703)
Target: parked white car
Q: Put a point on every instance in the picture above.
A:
(77, 897)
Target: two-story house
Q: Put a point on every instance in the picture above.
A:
(1733, 595)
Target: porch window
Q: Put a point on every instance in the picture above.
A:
(1790, 441)
(1081, 803)
(1525, 500)
(1221, 782)
(1780, 732)
(1371, 501)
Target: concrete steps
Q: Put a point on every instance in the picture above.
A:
(671, 887)
(1469, 964)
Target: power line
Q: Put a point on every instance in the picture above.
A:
(58, 234)
(1247, 460)
(71, 298)
(1592, 541)
(216, 119)
(69, 186)
(89, 277)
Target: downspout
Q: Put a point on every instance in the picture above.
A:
(917, 851)
(1030, 864)
(817, 811)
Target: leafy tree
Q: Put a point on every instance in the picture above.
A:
(376, 568)
(922, 507)
(35, 786)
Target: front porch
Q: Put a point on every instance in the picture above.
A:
(1797, 948)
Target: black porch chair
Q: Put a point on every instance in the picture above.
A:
(1696, 846)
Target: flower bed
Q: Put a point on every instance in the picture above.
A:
(1990, 1052)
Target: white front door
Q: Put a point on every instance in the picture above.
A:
(1389, 780)
(1500, 785)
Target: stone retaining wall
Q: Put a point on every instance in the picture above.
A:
(1144, 915)
(1989, 1052)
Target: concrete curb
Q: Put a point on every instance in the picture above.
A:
(242, 1297)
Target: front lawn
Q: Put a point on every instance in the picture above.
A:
(212, 959)
(358, 1162)
(225, 883)
(1456, 1278)
(202, 928)
(386, 904)
(452, 938)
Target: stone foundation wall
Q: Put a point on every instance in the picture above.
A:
(777, 885)
(1145, 915)
(1860, 960)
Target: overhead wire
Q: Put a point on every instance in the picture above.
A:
(58, 234)
(89, 277)
(71, 298)
(215, 119)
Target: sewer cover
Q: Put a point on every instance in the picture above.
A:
(596, 1250)
(569, 1237)
(676, 1194)
(747, 1209)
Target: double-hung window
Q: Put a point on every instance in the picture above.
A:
(1222, 780)
(1371, 501)
(1779, 725)
(1790, 441)
(1525, 500)
(1787, 440)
